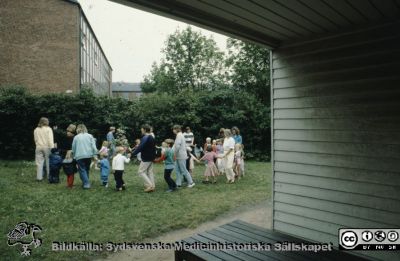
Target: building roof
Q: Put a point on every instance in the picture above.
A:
(126, 87)
(273, 22)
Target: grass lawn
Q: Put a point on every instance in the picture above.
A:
(101, 215)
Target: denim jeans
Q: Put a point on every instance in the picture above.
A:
(83, 168)
(181, 171)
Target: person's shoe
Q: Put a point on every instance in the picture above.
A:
(170, 190)
(191, 185)
(123, 187)
(118, 189)
(205, 182)
(150, 189)
(106, 185)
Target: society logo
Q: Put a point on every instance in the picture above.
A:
(24, 234)
(392, 236)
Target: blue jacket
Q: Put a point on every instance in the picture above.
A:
(55, 161)
(147, 148)
(104, 167)
(84, 146)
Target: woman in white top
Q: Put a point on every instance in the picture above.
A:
(228, 155)
(44, 142)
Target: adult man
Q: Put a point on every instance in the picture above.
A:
(181, 156)
(147, 149)
(111, 142)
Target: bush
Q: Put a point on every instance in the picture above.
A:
(205, 112)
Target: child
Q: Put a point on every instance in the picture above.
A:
(118, 166)
(104, 148)
(214, 146)
(242, 163)
(238, 160)
(69, 167)
(104, 168)
(55, 162)
(220, 152)
(211, 170)
(139, 155)
(169, 163)
(208, 143)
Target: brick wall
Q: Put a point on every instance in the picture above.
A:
(39, 45)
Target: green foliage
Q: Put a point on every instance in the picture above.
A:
(204, 111)
(191, 61)
(249, 68)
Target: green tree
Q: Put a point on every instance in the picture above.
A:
(191, 61)
(249, 68)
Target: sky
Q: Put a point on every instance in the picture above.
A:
(132, 39)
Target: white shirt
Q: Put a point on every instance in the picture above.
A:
(229, 143)
(189, 138)
(43, 137)
(119, 161)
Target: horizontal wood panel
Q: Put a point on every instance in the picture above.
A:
(355, 149)
(308, 234)
(331, 217)
(363, 72)
(355, 136)
(340, 197)
(354, 49)
(340, 173)
(338, 41)
(383, 164)
(319, 66)
(339, 124)
(357, 187)
(385, 218)
(350, 112)
(364, 100)
(310, 223)
(352, 88)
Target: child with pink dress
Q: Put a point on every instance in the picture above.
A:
(211, 169)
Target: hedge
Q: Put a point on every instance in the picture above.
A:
(205, 112)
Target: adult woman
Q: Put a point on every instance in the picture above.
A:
(84, 149)
(228, 156)
(65, 141)
(43, 136)
(236, 135)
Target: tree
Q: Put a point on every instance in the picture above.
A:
(249, 68)
(191, 61)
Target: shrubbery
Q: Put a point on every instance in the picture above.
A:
(205, 112)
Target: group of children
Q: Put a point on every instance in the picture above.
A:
(215, 164)
(213, 151)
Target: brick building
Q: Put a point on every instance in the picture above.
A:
(49, 46)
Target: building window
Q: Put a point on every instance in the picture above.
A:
(84, 41)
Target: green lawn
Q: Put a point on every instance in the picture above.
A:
(101, 215)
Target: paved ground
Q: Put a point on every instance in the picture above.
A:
(259, 214)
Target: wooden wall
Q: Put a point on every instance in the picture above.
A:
(336, 134)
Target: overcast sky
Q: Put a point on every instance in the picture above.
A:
(132, 39)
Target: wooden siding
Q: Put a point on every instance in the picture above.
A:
(271, 22)
(336, 131)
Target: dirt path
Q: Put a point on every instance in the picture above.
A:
(259, 215)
